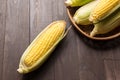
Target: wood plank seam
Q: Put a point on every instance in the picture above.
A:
(113, 65)
(112, 59)
(4, 36)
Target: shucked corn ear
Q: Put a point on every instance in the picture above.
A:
(103, 9)
(42, 46)
(107, 24)
(82, 14)
(74, 3)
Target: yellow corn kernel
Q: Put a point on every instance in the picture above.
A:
(43, 44)
(41, 47)
(103, 9)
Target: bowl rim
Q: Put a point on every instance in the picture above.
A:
(94, 38)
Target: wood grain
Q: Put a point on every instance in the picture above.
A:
(91, 65)
(2, 33)
(40, 16)
(112, 69)
(75, 58)
(16, 37)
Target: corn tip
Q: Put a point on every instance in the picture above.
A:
(68, 2)
(93, 33)
(20, 70)
(75, 19)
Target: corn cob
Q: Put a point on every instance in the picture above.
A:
(103, 9)
(107, 24)
(82, 14)
(42, 46)
(74, 3)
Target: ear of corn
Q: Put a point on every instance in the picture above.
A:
(41, 47)
(103, 9)
(74, 3)
(82, 14)
(108, 24)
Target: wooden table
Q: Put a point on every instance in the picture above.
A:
(75, 58)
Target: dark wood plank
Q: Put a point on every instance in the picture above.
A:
(116, 54)
(40, 16)
(91, 66)
(2, 29)
(109, 69)
(107, 49)
(95, 54)
(16, 37)
(112, 69)
(113, 54)
(117, 69)
(91, 59)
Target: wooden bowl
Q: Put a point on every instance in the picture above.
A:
(86, 30)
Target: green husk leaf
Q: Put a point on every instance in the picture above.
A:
(82, 14)
(74, 3)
